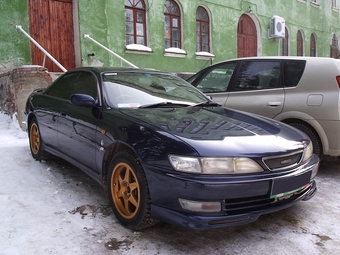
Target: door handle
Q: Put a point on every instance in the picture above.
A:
(274, 104)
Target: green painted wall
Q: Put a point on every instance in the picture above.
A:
(14, 46)
(104, 21)
(106, 24)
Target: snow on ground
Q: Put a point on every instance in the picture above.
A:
(53, 208)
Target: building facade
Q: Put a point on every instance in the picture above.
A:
(180, 36)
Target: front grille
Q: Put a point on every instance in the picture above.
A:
(240, 206)
(283, 162)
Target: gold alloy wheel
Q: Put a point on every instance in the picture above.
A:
(34, 138)
(125, 190)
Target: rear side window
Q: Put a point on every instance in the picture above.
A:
(61, 88)
(74, 83)
(217, 78)
(86, 83)
(257, 75)
(293, 71)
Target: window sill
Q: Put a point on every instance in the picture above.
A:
(315, 5)
(175, 52)
(204, 55)
(137, 48)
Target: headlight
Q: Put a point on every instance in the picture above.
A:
(185, 164)
(307, 152)
(233, 165)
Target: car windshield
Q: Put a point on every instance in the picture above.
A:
(134, 89)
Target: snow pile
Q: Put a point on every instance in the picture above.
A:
(11, 127)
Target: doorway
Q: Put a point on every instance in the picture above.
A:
(51, 25)
(246, 37)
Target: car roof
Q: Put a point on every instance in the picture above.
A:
(106, 69)
(309, 59)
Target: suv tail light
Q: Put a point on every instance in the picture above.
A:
(338, 81)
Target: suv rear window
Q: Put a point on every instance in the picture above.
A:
(292, 71)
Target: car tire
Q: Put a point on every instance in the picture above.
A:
(317, 147)
(35, 141)
(129, 193)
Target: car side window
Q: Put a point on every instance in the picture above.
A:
(86, 83)
(74, 83)
(61, 88)
(217, 78)
(257, 75)
(293, 71)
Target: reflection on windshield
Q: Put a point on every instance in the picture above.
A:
(130, 89)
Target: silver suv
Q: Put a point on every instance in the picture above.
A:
(300, 91)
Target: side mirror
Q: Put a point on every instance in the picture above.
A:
(82, 100)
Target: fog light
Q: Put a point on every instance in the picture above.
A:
(197, 206)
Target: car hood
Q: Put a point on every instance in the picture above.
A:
(214, 130)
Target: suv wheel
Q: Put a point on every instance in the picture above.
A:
(317, 147)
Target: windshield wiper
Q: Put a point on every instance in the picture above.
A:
(207, 103)
(164, 104)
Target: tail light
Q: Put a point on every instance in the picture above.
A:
(338, 81)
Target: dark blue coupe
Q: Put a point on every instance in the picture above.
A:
(164, 151)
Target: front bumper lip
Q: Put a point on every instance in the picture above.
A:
(192, 220)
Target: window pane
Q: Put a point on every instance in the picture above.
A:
(140, 17)
(167, 43)
(166, 21)
(176, 44)
(139, 5)
(175, 34)
(256, 75)
(86, 83)
(140, 40)
(128, 15)
(63, 87)
(174, 22)
(140, 29)
(205, 28)
(217, 79)
(167, 34)
(198, 39)
(129, 39)
(129, 28)
(205, 48)
(292, 72)
(205, 39)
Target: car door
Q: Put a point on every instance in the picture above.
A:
(48, 109)
(77, 124)
(257, 88)
(214, 81)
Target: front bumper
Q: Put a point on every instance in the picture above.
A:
(242, 200)
(192, 220)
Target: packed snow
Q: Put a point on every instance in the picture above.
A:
(54, 208)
